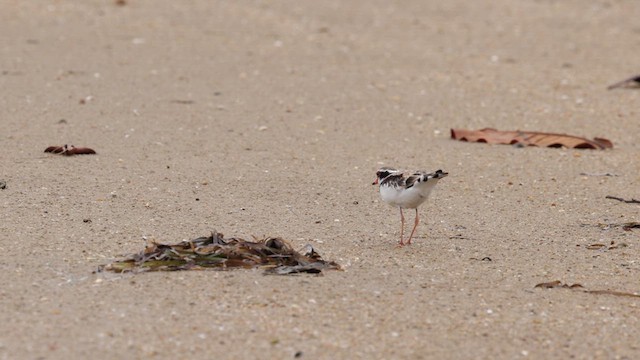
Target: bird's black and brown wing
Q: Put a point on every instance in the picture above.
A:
(423, 176)
(396, 180)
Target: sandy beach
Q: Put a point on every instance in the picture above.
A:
(256, 118)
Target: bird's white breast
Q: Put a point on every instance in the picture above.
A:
(409, 198)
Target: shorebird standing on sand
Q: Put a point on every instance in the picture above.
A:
(406, 192)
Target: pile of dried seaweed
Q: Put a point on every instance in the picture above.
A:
(274, 254)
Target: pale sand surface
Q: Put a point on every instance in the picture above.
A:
(294, 106)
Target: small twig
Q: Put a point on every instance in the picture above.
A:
(630, 82)
(597, 174)
(559, 285)
(632, 201)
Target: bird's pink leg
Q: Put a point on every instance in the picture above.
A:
(415, 225)
(401, 228)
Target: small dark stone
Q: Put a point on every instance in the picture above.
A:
(197, 199)
(3, 184)
(86, 220)
(298, 354)
(486, 258)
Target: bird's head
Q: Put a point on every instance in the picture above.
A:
(383, 173)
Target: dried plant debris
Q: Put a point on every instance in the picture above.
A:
(486, 258)
(630, 83)
(612, 246)
(632, 201)
(69, 150)
(626, 226)
(630, 225)
(274, 254)
(559, 285)
(529, 138)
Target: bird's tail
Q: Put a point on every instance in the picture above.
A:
(439, 174)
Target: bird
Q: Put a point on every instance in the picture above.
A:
(406, 192)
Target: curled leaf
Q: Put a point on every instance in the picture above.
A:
(529, 138)
(69, 150)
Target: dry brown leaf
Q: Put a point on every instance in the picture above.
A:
(529, 138)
